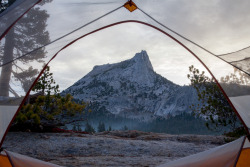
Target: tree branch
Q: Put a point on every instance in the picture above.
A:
(17, 67)
(13, 92)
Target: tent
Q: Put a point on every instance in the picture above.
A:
(34, 32)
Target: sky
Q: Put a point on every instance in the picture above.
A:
(122, 44)
(220, 26)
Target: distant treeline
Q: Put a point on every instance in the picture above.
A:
(185, 123)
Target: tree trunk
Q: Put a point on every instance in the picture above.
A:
(7, 69)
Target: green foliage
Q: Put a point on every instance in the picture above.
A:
(238, 132)
(49, 104)
(46, 83)
(89, 128)
(213, 105)
(47, 107)
(101, 127)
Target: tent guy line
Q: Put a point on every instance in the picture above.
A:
(61, 36)
(234, 51)
(178, 34)
(201, 47)
(189, 40)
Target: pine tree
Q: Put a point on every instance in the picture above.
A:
(101, 127)
(109, 129)
(214, 106)
(50, 104)
(46, 83)
(28, 34)
(89, 128)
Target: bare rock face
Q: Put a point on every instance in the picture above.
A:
(133, 89)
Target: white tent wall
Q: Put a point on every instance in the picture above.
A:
(242, 105)
(6, 115)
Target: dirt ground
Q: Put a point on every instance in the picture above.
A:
(115, 148)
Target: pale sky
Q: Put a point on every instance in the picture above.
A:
(220, 26)
(117, 44)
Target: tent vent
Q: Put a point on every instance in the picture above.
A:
(130, 5)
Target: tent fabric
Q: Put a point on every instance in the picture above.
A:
(131, 6)
(225, 156)
(240, 59)
(247, 143)
(19, 160)
(241, 104)
(244, 159)
(12, 13)
(4, 161)
(6, 115)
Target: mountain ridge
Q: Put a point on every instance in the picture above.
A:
(133, 89)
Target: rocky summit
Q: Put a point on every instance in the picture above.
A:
(133, 89)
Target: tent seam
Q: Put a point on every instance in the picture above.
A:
(11, 162)
(238, 156)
